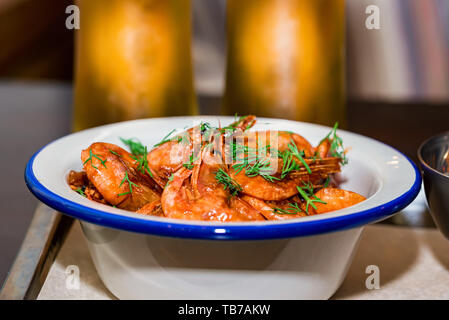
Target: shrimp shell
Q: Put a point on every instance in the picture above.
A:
(108, 176)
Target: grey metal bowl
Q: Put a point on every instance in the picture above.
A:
(433, 155)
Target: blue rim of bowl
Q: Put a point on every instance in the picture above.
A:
(224, 231)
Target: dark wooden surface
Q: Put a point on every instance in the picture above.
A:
(31, 115)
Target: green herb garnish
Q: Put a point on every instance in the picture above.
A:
(190, 165)
(228, 183)
(292, 209)
(130, 184)
(92, 156)
(316, 156)
(326, 183)
(307, 193)
(165, 139)
(135, 146)
(253, 161)
(288, 162)
(184, 138)
(170, 179)
(81, 192)
(114, 153)
(142, 163)
(336, 148)
(298, 154)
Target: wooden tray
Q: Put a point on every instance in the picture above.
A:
(39, 249)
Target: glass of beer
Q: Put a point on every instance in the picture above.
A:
(286, 59)
(133, 60)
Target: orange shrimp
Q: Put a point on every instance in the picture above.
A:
(267, 209)
(331, 199)
(169, 157)
(322, 150)
(152, 209)
(202, 197)
(285, 138)
(335, 199)
(275, 190)
(280, 189)
(115, 173)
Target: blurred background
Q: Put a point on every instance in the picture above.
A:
(406, 60)
(397, 82)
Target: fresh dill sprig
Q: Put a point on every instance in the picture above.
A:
(130, 184)
(253, 161)
(288, 163)
(316, 156)
(307, 194)
(190, 165)
(231, 128)
(135, 146)
(228, 183)
(142, 163)
(326, 183)
(114, 153)
(204, 126)
(165, 139)
(260, 168)
(298, 154)
(293, 208)
(207, 131)
(81, 192)
(336, 148)
(92, 156)
(170, 179)
(184, 138)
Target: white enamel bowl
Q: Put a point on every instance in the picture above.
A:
(140, 257)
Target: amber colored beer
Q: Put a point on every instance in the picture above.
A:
(133, 60)
(286, 59)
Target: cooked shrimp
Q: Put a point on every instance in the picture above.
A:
(285, 138)
(202, 197)
(276, 190)
(323, 148)
(335, 199)
(223, 174)
(330, 199)
(152, 209)
(116, 175)
(267, 209)
(280, 189)
(79, 182)
(169, 157)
